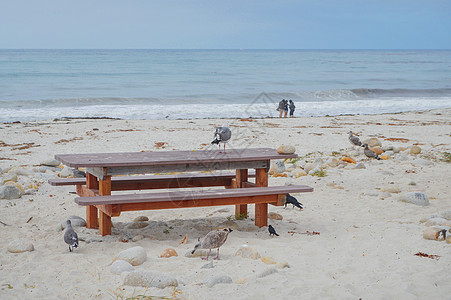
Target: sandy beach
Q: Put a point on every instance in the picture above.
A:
(354, 238)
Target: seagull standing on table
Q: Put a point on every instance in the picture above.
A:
(354, 139)
(222, 135)
(213, 239)
(70, 236)
(370, 153)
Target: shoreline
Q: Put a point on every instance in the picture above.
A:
(367, 242)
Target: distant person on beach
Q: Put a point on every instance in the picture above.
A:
(292, 108)
(285, 109)
(281, 107)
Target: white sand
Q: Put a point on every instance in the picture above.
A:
(366, 244)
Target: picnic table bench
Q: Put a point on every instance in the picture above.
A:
(102, 170)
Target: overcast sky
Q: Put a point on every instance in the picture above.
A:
(226, 24)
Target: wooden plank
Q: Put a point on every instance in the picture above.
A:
(192, 195)
(154, 205)
(92, 220)
(241, 177)
(105, 224)
(184, 167)
(261, 209)
(119, 183)
(162, 158)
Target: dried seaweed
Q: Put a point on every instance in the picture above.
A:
(432, 256)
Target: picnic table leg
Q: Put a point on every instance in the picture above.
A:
(261, 209)
(241, 209)
(92, 220)
(105, 220)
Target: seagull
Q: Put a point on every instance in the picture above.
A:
(370, 153)
(70, 236)
(272, 231)
(294, 201)
(79, 174)
(213, 239)
(222, 135)
(354, 139)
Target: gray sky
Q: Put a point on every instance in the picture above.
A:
(226, 24)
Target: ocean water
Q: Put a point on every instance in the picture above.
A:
(183, 84)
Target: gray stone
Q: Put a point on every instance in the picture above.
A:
(247, 252)
(141, 219)
(19, 246)
(213, 280)
(44, 169)
(417, 198)
(76, 221)
(446, 215)
(137, 225)
(286, 149)
(10, 192)
(51, 162)
(120, 266)
(197, 253)
(20, 171)
(268, 271)
(8, 177)
(66, 172)
(360, 165)
(391, 153)
(277, 166)
(147, 278)
(135, 255)
(308, 167)
(208, 266)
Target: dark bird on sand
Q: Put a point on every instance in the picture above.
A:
(294, 201)
(272, 231)
(213, 239)
(370, 153)
(70, 236)
(354, 139)
(222, 135)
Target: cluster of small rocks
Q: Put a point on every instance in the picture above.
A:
(438, 227)
(17, 181)
(353, 158)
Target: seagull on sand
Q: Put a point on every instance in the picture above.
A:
(354, 139)
(213, 239)
(222, 135)
(370, 153)
(272, 231)
(70, 236)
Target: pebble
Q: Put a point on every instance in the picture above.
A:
(213, 280)
(51, 162)
(360, 165)
(10, 192)
(20, 171)
(137, 238)
(275, 216)
(299, 173)
(8, 177)
(66, 172)
(308, 167)
(267, 272)
(141, 219)
(120, 266)
(433, 233)
(277, 166)
(372, 142)
(438, 221)
(384, 156)
(378, 150)
(417, 198)
(247, 252)
(268, 260)
(208, 266)
(137, 225)
(149, 279)
(348, 159)
(391, 188)
(286, 149)
(332, 162)
(16, 185)
(169, 252)
(415, 150)
(19, 246)
(76, 221)
(135, 255)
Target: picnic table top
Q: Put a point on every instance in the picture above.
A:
(158, 158)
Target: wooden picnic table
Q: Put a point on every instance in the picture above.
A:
(100, 167)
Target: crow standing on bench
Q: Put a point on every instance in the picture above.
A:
(294, 201)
